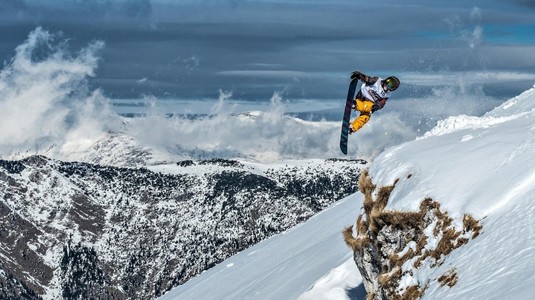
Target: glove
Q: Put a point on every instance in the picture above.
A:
(375, 108)
(355, 74)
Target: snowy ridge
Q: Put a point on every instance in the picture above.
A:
(513, 108)
(112, 149)
(457, 123)
(517, 105)
(472, 160)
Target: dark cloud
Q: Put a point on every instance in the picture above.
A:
(74, 10)
(253, 48)
(528, 3)
(138, 8)
(10, 9)
(7, 6)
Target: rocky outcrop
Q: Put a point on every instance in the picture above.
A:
(391, 248)
(71, 230)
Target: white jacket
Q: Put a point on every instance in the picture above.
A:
(374, 92)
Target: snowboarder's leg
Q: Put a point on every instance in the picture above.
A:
(359, 122)
(365, 109)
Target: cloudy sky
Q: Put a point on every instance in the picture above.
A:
(301, 49)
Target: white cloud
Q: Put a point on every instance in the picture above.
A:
(43, 94)
(475, 14)
(474, 37)
(268, 135)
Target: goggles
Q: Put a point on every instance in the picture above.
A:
(391, 84)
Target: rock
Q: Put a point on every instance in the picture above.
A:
(392, 247)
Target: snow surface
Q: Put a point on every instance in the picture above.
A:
(286, 265)
(483, 167)
(478, 165)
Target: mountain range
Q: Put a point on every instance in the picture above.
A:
(78, 230)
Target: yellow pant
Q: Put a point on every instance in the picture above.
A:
(365, 109)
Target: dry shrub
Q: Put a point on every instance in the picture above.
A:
(419, 261)
(348, 237)
(449, 278)
(412, 293)
(382, 197)
(422, 242)
(373, 207)
(383, 279)
(354, 243)
(400, 219)
(386, 279)
(370, 296)
(443, 221)
(420, 245)
(471, 224)
(461, 241)
(446, 243)
(429, 204)
(366, 185)
(398, 261)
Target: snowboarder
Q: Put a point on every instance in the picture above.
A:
(372, 97)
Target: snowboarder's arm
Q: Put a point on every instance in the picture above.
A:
(364, 78)
(379, 104)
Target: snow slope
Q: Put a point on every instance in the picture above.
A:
(483, 166)
(286, 265)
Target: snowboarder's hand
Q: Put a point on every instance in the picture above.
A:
(375, 108)
(355, 74)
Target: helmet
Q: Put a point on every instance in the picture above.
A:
(392, 83)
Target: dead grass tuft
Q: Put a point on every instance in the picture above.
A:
(429, 204)
(366, 185)
(422, 242)
(348, 237)
(412, 293)
(461, 241)
(354, 243)
(471, 224)
(386, 279)
(398, 220)
(370, 296)
(383, 279)
(449, 278)
(446, 244)
(382, 197)
(398, 261)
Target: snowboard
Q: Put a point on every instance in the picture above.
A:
(347, 115)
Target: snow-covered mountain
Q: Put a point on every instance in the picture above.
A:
(480, 167)
(95, 206)
(72, 230)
